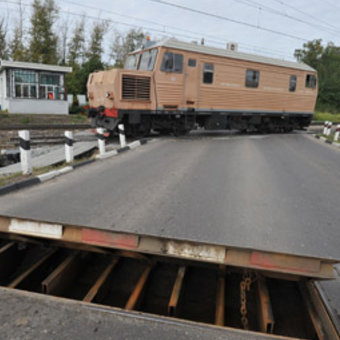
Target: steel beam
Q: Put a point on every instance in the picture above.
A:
(136, 293)
(220, 301)
(30, 270)
(58, 280)
(176, 291)
(100, 281)
(266, 318)
(7, 252)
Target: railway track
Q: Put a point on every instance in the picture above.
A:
(177, 288)
(44, 127)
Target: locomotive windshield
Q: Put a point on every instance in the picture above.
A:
(131, 62)
(146, 63)
(148, 59)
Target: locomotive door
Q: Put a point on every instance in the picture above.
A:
(191, 83)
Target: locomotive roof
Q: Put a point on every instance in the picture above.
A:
(181, 45)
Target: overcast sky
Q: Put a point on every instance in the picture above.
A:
(303, 19)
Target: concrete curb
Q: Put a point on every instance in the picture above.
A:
(327, 141)
(116, 152)
(52, 174)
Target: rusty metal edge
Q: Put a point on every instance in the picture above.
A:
(193, 250)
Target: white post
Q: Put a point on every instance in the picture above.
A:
(325, 127)
(329, 128)
(337, 132)
(101, 141)
(69, 146)
(25, 152)
(122, 139)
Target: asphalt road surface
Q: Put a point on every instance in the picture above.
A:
(277, 193)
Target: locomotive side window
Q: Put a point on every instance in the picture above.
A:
(311, 81)
(172, 62)
(252, 78)
(192, 62)
(208, 73)
(148, 59)
(292, 83)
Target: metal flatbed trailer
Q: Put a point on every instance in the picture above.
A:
(187, 201)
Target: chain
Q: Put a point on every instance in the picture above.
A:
(244, 287)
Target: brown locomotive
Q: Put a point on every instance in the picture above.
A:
(174, 86)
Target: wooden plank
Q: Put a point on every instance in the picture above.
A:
(100, 281)
(176, 291)
(135, 295)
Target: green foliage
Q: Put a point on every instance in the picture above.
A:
(76, 46)
(77, 110)
(76, 81)
(326, 60)
(17, 48)
(326, 116)
(3, 42)
(124, 44)
(43, 41)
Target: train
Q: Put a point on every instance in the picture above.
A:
(174, 86)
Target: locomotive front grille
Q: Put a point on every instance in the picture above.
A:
(135, 88)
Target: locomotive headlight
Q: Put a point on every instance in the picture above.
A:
(109, 95)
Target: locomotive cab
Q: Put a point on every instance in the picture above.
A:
(117, 95)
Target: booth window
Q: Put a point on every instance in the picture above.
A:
(252, 78)
(50, 86)
(25, 84)
(172, 62)
(208, 73)
(29, 84)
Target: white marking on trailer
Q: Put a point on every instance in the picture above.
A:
(36, 228)
(188, 250)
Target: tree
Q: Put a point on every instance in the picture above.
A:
(17, 47)
(310, 53)
(76, 46)
(62, 46)
(76, 81)
(43, 41)
(3, 41)
(123, 45)
(326, 60)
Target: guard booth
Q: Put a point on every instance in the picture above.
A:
(33, 88)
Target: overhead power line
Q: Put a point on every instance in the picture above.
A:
(224, 18)
(213, 39)
(315, 23)
(316, 19)
(188, 35)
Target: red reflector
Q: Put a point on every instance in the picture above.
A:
(104, 238)
(111, 113)
(284, 262)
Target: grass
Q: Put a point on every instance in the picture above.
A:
(17, 177)
(323, 116)
(28, 119)
(329, 138)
